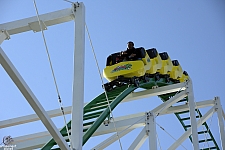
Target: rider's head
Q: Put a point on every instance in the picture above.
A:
(130, 45)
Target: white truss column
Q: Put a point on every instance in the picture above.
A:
(191, 102)
(3, 36)
(32, 100)
(78, 80)
(151, 130)
(220, 121)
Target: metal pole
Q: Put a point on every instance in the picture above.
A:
(220, 121)
(151, 130)
(78, 82)
(192, 106)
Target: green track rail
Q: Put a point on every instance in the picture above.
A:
(97, 110)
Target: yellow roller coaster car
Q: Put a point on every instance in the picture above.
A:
(184, 77)
(127, 69)
(167, 64)
(176, 71)
(156, 61)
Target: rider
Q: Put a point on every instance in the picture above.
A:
(130, 53)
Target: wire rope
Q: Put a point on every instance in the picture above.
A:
(96, 61)
(158, 141)
(54, 78)
(169, 134)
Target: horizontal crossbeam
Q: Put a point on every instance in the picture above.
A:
(67, 110)
(37, 140)
(31, 23)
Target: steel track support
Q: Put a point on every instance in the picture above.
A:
(139, 141)
(220, 121)
(78, 79)
(169, 102)
(191, 102)
(32, 100)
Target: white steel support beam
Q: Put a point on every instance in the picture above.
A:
(180, 108)
(151, 130)
(32, 100)
(3, 36)
(156, 92)
(78, 80)
(31, 23)
(189, 131)
(67, 110)
(37, 140)
(111, 140)
(220, 121)
(32, 117)
(192, 106)
(139, 141)
(169, 102)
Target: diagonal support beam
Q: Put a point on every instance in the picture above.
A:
(139, 141)
(32, 100)
(170, 102)
(111, 140)
(188, 132)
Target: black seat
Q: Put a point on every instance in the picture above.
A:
(185, 73)
(164, 55)
(112, 58)
(175, 62)
(140, 52)
(152, 53)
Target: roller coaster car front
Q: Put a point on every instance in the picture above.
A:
(129, 71)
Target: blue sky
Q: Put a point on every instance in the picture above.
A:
(192, 32)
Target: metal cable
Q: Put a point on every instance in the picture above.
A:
(158, 141)
(169, 134)
(54, 78)
(103, 85)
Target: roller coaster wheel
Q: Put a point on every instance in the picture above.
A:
(108, 87)
(167, 78)
(135, 81)
(157, 77)
(145, 78)
(119, 84)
